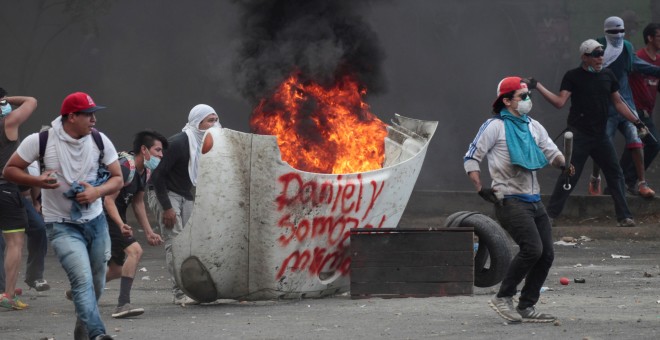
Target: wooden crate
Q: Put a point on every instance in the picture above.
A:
(411, 262)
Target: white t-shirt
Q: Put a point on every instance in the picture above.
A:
(55, 206)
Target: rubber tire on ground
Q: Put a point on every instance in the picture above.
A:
(493, 244)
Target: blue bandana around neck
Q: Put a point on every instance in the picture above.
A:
(523, 150)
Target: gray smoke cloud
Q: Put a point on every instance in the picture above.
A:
(323, 40)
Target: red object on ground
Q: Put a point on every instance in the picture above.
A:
(18, 291)
(564, 281)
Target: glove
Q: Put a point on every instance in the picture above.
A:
(642, 130)
(570, 171)
(490, 195)
(531, 83)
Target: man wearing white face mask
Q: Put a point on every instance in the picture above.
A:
(621, 59)
(174, 181)
(136, 168)
(516, 146)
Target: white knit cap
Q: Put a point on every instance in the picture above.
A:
(613, 23)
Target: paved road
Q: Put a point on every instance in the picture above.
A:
(620, 300)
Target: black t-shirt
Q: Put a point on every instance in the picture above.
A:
(125, 197)
(591, 94)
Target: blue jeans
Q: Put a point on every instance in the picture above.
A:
(627, 129)
(601, 150)
(651, 149)
(529, 226)
(37, 246)
(83, 251)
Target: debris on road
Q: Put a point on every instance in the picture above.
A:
(615, 256)
(564, 243)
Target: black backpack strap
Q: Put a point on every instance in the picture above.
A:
(99, 143)
(43, 139)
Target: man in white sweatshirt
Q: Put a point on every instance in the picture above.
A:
(516, 146)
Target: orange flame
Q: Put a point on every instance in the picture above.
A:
(322, 130)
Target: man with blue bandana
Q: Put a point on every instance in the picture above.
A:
(516, 146)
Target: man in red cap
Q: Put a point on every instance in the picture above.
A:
(80, 166)
(516, 146)
(592, 88)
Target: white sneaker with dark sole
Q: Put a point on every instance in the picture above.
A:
(40, 285)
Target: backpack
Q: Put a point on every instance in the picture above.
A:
(130, 159)
(43, 139)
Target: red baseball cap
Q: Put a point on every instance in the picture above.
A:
(79, 102)
(509, 84)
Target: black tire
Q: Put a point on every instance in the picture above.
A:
(493, 244)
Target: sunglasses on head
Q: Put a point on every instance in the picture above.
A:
(615, 31)
(595, 54)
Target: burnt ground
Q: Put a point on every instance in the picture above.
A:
(620, 299)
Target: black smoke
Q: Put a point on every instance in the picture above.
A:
(323, 40)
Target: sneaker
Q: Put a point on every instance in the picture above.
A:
(504, 307)
(530, 314)
(184, 300)
(626, 222)
(14, 303)
(126, 311)
(18, 304)
(594, 186)
(644, 190)
(68, 295)
(6, 301)
(39, 285)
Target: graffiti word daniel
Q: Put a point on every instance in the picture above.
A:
(348, 203)
(343, 197)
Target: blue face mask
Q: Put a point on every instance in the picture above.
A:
(152, 163)
(6, 109)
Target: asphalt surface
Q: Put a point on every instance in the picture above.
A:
(620, 299)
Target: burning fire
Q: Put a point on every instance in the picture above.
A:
(322, 130)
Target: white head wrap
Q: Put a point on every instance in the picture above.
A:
(195, 135)
(614, 40)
